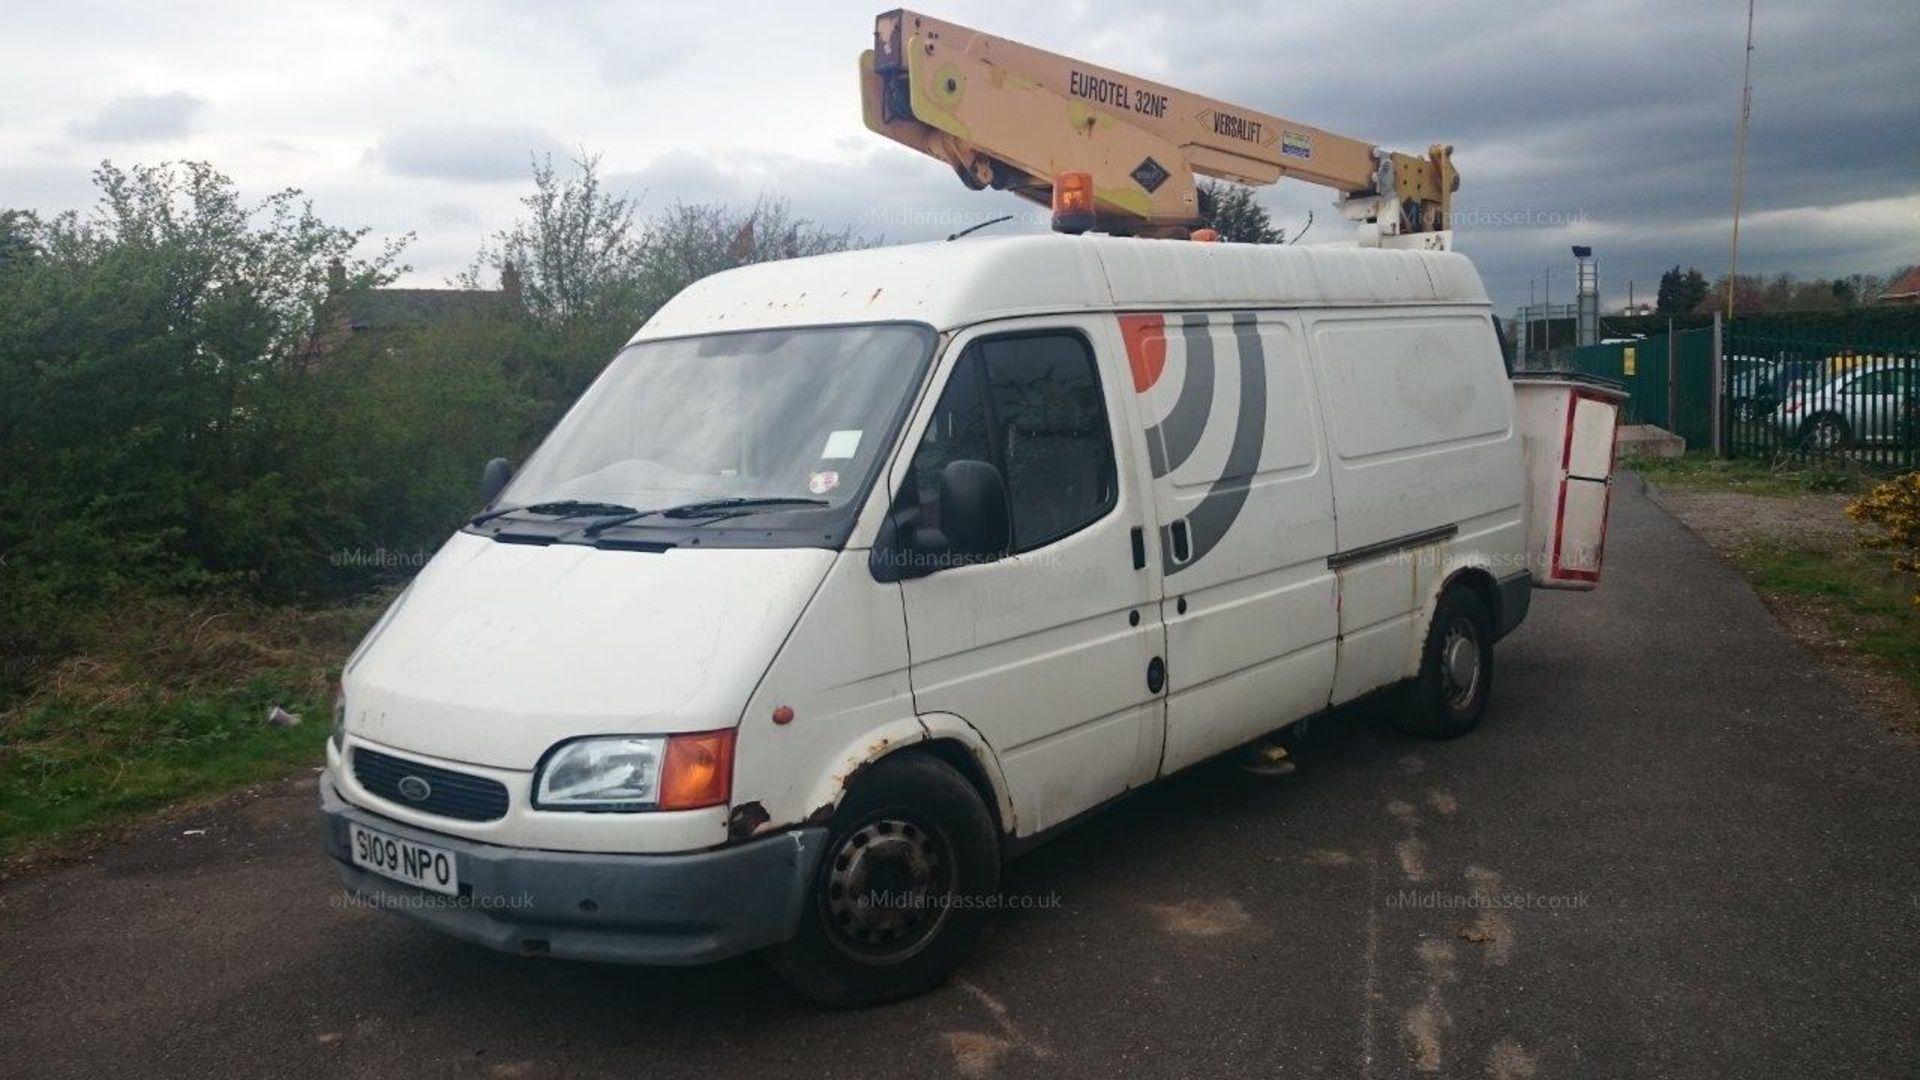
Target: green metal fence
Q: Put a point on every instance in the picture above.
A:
(1822, 402)
(1852, 401)
(1670, 378)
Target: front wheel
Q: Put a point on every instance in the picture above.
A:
(1448, 697)
(900, 893)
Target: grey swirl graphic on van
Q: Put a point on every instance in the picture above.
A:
(1172, 441)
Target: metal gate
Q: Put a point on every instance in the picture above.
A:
(1670, 378)
(1822, 403)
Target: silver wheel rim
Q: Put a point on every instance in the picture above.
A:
(1826, 434)
(1460, 664)
(886, 888)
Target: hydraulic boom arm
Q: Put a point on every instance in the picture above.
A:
(1013, 117)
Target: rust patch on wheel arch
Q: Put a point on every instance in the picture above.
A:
(746, 819)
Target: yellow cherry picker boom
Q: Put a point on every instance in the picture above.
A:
(1111, 152)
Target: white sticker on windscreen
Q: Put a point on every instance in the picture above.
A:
(841, 445)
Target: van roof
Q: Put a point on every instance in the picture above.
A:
(952, 284)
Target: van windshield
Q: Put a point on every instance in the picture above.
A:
(770, 422)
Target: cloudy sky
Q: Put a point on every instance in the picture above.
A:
(1592, 122)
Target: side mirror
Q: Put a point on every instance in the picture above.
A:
(973, 511)
(493, 478)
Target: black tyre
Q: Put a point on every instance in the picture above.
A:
(898, 898)
(1827, 431)
(1449, 695)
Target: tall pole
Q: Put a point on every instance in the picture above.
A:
(1546, 300)
(1673, 381)
(1740, 164)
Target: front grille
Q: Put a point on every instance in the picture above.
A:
(451, 794)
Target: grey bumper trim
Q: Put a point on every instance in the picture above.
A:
(1516, 593)
(632, 909)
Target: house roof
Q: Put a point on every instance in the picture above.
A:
(385, 309)
(1907, 285)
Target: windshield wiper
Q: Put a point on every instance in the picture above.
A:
(725, 506)
(560, 508)
(616, 514)
(714, 509)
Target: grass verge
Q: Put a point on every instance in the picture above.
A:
(167, 702)
(1862, 603)
(1700, 471)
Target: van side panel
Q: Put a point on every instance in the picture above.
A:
(1426, 472)
(1245, 509)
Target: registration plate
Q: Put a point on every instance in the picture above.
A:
(404, 860)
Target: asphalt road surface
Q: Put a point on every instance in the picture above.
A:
(1706, 862)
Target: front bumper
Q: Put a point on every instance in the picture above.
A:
(632, 909)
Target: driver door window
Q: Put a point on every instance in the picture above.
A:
(1030, 405)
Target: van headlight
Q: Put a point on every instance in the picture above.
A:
(601, 774)
(339, 735)
(633, 772)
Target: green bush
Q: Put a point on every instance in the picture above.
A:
(149, 379)
(1894, 506)
(183, 414)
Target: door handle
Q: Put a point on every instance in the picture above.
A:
(1156, 674)
(1182, 545)
(1139, 548)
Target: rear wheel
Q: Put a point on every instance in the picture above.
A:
(1449, 695)
(897, 900)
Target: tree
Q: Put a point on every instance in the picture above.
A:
(153, 396)
(689, 241)
(1862, 289)
(1681, 291)
(1229, 210)
(17, 229)
(584, 255)
(1693, 289)
(592, 270)
(577, 251)
(1667, 300)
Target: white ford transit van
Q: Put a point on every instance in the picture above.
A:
(853, 574)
